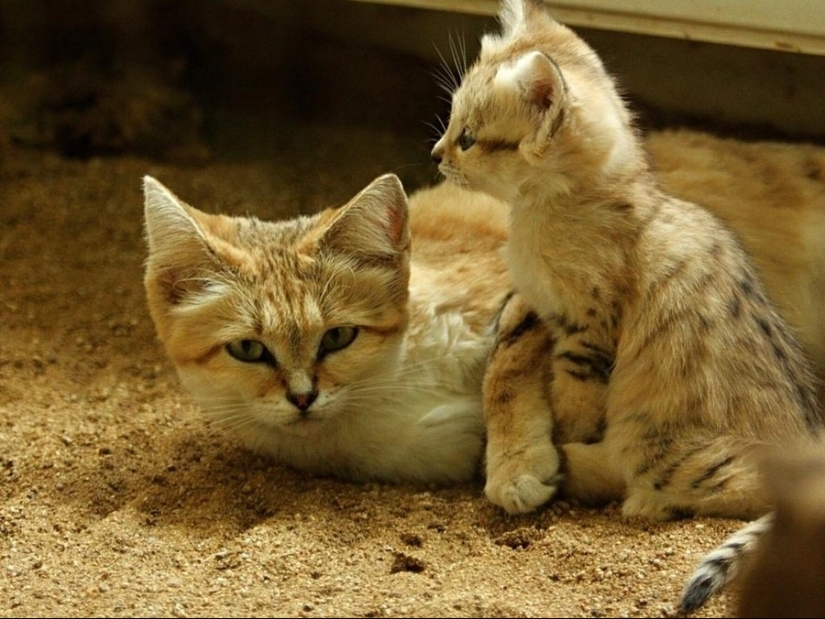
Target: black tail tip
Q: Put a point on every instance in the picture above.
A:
(695, 595)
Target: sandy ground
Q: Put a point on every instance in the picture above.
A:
(117, 499)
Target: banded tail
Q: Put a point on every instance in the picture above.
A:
(721, 565)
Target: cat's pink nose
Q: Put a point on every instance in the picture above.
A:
(302, 401)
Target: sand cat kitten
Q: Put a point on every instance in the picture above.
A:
(661, 320)
(322, 341)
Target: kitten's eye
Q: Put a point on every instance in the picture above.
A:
(337, 338)
(465, 140)
(249, 351)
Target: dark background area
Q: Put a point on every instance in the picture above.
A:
(191, 80)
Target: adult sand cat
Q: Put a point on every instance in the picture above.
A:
(321, 341)
(661, 320)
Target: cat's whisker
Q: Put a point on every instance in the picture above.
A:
(442, 124)
(405, 166)
(441, 71)
(438, 128)
(394, 390)
(464, 58)
(409, 369)
(222, 408)
(445, 75)
(435, 129)
(459, 57)
(237, 426)
(442, 83)
(441, 80)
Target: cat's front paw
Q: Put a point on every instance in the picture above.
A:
(525, 482)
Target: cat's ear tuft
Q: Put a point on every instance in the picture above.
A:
(374, 224)
(521, 15)
(178, 247)
(166, 217)
(388, 192)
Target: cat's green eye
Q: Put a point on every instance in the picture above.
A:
(337, 339)
(465, 140)
(249, 351)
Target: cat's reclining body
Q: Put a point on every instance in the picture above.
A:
(321, 341)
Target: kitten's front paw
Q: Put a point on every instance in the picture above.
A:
(526, 482)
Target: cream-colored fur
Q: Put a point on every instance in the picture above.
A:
(402, 401)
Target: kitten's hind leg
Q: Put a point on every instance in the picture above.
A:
(522, 463)
(699, 476)
(589, 476)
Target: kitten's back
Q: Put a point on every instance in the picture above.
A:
(773, 196)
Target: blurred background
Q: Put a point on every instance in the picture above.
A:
(191, 80)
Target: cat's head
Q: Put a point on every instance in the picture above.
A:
(277, 325)
(537, 106)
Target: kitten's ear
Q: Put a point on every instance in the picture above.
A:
(179, 249)
(538, 80)
(373, 226)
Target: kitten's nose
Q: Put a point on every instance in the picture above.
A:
(436, 155)
(302, 401)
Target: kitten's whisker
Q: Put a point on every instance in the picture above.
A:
(447, 100)
(406, 371)
(438, 132)
(441, 122)
(404, 166)
(442, 77)
(430, 125)
(458, 58)
(464, 59)
(446, 78)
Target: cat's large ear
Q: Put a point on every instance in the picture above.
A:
(180, 252)
(539, 81)
(373, 226)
